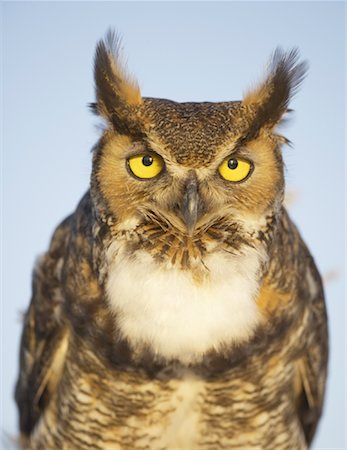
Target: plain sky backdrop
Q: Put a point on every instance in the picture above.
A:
(183, 51)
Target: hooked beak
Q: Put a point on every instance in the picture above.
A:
(191, 203)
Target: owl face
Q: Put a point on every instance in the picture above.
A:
(190, 194)
(190, 178)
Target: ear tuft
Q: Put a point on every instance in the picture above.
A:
(271, 98)
(115, 89)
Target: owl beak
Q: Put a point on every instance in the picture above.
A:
(190, 203)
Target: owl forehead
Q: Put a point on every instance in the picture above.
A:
(193, 132)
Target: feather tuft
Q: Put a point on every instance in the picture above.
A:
(271, 98)
(115, 89)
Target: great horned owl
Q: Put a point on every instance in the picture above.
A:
(178, 306)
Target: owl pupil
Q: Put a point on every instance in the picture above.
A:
(147, 160)
(232, 163)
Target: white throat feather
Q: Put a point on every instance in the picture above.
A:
(165, 309)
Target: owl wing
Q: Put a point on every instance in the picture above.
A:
(44, 338)
(311, 369)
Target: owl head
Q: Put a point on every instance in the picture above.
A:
(187, 179)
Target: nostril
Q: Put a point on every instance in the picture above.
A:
(176, 207)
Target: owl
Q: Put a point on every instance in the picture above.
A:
(177, 307)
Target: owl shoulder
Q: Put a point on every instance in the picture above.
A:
(44, 339)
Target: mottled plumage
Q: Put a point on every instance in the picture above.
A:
(181, 310)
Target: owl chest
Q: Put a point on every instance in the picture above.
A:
(126, 410)
(123, 413)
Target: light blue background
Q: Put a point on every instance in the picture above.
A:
(182, 51)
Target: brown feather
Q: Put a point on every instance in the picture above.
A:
(271, 98)
(116, 91)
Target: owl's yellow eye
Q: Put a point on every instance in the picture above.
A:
(146, 165)
(235, 169)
